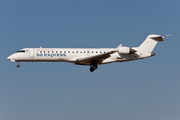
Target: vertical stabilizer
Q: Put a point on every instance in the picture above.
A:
(150, 42)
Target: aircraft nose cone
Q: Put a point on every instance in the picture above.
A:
(12, 58)
(9, 57)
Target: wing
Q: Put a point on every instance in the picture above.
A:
(97, 58)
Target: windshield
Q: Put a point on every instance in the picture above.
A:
(20, 51)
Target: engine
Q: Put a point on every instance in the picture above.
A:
(126, 50)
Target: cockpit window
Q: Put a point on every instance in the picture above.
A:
(20, 51)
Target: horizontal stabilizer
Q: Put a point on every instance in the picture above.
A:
(158, 37)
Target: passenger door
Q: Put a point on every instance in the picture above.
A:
(31, 52)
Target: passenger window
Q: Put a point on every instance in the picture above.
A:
(84, 51)
(56, 51)
(76, 51)
(64, 51)
(60, 51)
(68, 51)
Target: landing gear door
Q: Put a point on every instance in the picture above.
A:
(31, 52)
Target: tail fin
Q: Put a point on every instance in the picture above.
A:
(150, 42)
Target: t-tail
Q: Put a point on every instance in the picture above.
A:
(150, 42)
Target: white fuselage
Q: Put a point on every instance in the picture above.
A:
(88, 56)
(71, 55)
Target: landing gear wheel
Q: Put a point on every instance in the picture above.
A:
(91, 69)
(95, 67)
(18, 66)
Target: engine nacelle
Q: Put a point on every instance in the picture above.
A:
(126, 50)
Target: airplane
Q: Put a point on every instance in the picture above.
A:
(88, 56)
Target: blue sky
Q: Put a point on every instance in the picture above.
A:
(144, 89)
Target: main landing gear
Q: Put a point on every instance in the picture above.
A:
(93, 67)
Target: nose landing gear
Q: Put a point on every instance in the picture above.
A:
(18, 65)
